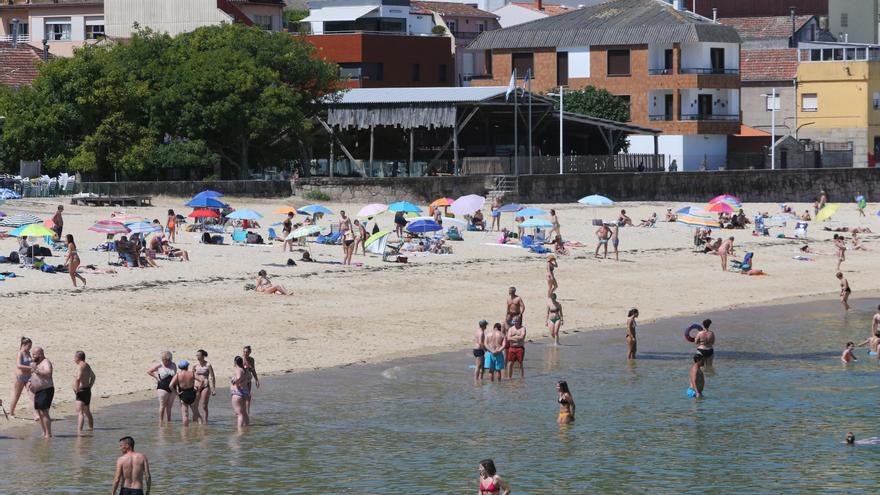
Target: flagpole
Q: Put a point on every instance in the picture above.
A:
(515, 129)
(530, 120)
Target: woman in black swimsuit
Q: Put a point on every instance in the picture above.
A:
(163, 373)
(184, 384)
(566, 403)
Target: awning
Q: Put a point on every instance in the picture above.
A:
(339, 13)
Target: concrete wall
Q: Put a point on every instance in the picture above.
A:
(754, 108)
(259, 188)
(861, 20)
(749, 185)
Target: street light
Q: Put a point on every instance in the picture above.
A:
(773, 103)
(561, 112)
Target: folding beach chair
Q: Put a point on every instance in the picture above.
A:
(744, 265)
(239, 236)
(391, 250)
(800, 230)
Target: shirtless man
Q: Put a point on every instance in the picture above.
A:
(875, 322)
(58, 221)
(705, 341)
(823, 200)
(848, 356)
(132, 471)
(554, 318)
(83, 380)
(495, 342)
(480, 349)
(696, 380)
(516, 352)
(515, 306)
(603, 234)
(43, 388)
(845, 291)
(872, 342)
(623, 220)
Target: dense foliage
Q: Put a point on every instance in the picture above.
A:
(226, 98)
(596, 102)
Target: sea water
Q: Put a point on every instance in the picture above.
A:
(778, 404)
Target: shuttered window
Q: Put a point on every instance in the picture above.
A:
(618, 62)
(524, 64)
(809, 102)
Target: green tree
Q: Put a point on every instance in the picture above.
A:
(599, 103)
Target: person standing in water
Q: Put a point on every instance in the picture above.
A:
(554, 318)
(23, 372)
(515, 306)
(566, 403)
(184, 384)
(631, 333)
(72, 261)
(552, 284)
(873, 342)
(207, 382)
(875, 322)
(132, 471)
(43, 388)
(845, 291)
(490, 482)
(705, 341)
(83, 380)
(847, 356)
(495, 342)
(696, 381)
(516, 351)
(240, 391)
(479, 349)
(163, 372)
(250, 366)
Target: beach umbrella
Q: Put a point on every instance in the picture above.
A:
(423, 226)
(205, 202)
(312, 209)
(698, 218)
(687, 209)
(376, 237)
(536, 223)
(19, 219)
(447, 221)
(284, 210)
(204, 214)
(109, 227)
(530, 212)
(468, 205)
(404, 206)
(720, 207)
(245, 215)
(376, 243)
(209, 194)
(726, 198)
(371, 210)
(9, 194)
(595, 200)
(144, 227)
(826, 212)
(510, 207)
(32, 230)
(303, 232)
(2, 214)
(441, 202)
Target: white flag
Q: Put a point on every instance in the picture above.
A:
(511, 86)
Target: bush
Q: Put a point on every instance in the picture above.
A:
(317, 195)
(438, 30)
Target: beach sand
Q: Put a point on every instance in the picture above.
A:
(348, 315)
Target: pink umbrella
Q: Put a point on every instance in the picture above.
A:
(720, 207)
(467, 205)
(371, 210)
(725, 198)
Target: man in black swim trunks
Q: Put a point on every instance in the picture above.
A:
(480, 349)
(43, 388)
(83, 379)
(132, 470)
(705, 341)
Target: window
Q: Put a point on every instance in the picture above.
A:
(481, 26)
(809, 102)
(876, 101)
(58, 29)
(263, 21)
(562, 68)
(22, 29)
(441, 72)
(844, 19)
(523, 63)
(717, 58)
(94, 28)
(668, 58)
(416, 72)
(350, 71)
(772, 103)
(618, 62)
(453, 27)
(379, 71)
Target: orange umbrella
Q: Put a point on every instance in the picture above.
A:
(442, 202)
(284, 210)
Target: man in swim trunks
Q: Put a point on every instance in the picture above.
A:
(58, 221)
(43, 388)
(83, 380)
(495, 342)
(603, 234)
(132, 471)
(697, 380)
(515, 307)
(845, 291)
(705, 341)
(516, 351)
(873, 342)
(479, 349)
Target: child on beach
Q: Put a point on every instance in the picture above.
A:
(848, 356)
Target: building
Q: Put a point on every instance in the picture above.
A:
(838, 97)
(681, 76)
(514, 13)
(19, 64)
(64, 25)
(854, 21)
(382, 43)
(464, 22)
(758, 8)
(782, 31)
(175, 16)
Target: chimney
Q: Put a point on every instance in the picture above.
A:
(46, 49)
(538, 4)
(14, 32)
(714, 14)
(793, 42)
(678, 4)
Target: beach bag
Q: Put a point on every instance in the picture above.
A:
(253, 238)
(47, 268)
(13, 257)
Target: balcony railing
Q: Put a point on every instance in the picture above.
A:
(711, 117)
(661, 72)
(22, 38)
(660, 117)
(708, 70)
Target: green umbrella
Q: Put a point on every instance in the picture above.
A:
(304, 231)
(375, 237)
(33, 230)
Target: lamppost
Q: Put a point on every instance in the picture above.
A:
(773, 104)
(561, 96)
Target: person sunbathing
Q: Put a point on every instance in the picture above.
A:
(173, 252)
(857, 243)
(670, 217)
(649, 222)
(265, 286)
(806, 216)
(559, 246)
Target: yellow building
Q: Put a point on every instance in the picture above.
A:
(838, 99)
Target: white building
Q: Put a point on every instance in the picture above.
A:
(179, 16)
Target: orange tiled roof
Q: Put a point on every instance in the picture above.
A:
(746, 131)
(19, 66)
(777, 64)
(760, 28)
(547, 9)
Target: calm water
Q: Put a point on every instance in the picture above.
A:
(779, 403)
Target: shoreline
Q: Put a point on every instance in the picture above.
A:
(65, 411)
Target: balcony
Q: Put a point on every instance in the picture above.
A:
(661, 72)
(22, 38)
(708, 70)
(662, 117)
(710, 117)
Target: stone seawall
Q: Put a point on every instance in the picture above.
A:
(249, 188)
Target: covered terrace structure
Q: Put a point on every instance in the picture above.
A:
(398, 132)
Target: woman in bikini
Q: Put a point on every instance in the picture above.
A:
(23, 371)
(171, 225)
(360, 237)
(163, 373)
(495, 214)
(566, 403)
(207, 383)
(72, 261)
(631, 333)
(555, 221)
(240, 390)
(554, 318)
(552, 285)
(250, 366)
(490, 482)
(265, 286)
(347, 238)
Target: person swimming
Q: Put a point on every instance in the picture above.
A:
(847, 356)
(566, 403)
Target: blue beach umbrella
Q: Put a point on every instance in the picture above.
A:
(423, 226)
(510, 208)
(312, 209)
(404, 206)
(595, 200)
(531, 212)
(687, 209)
(205, 202)
(245, 214)
(536, 223)
(209, 194)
